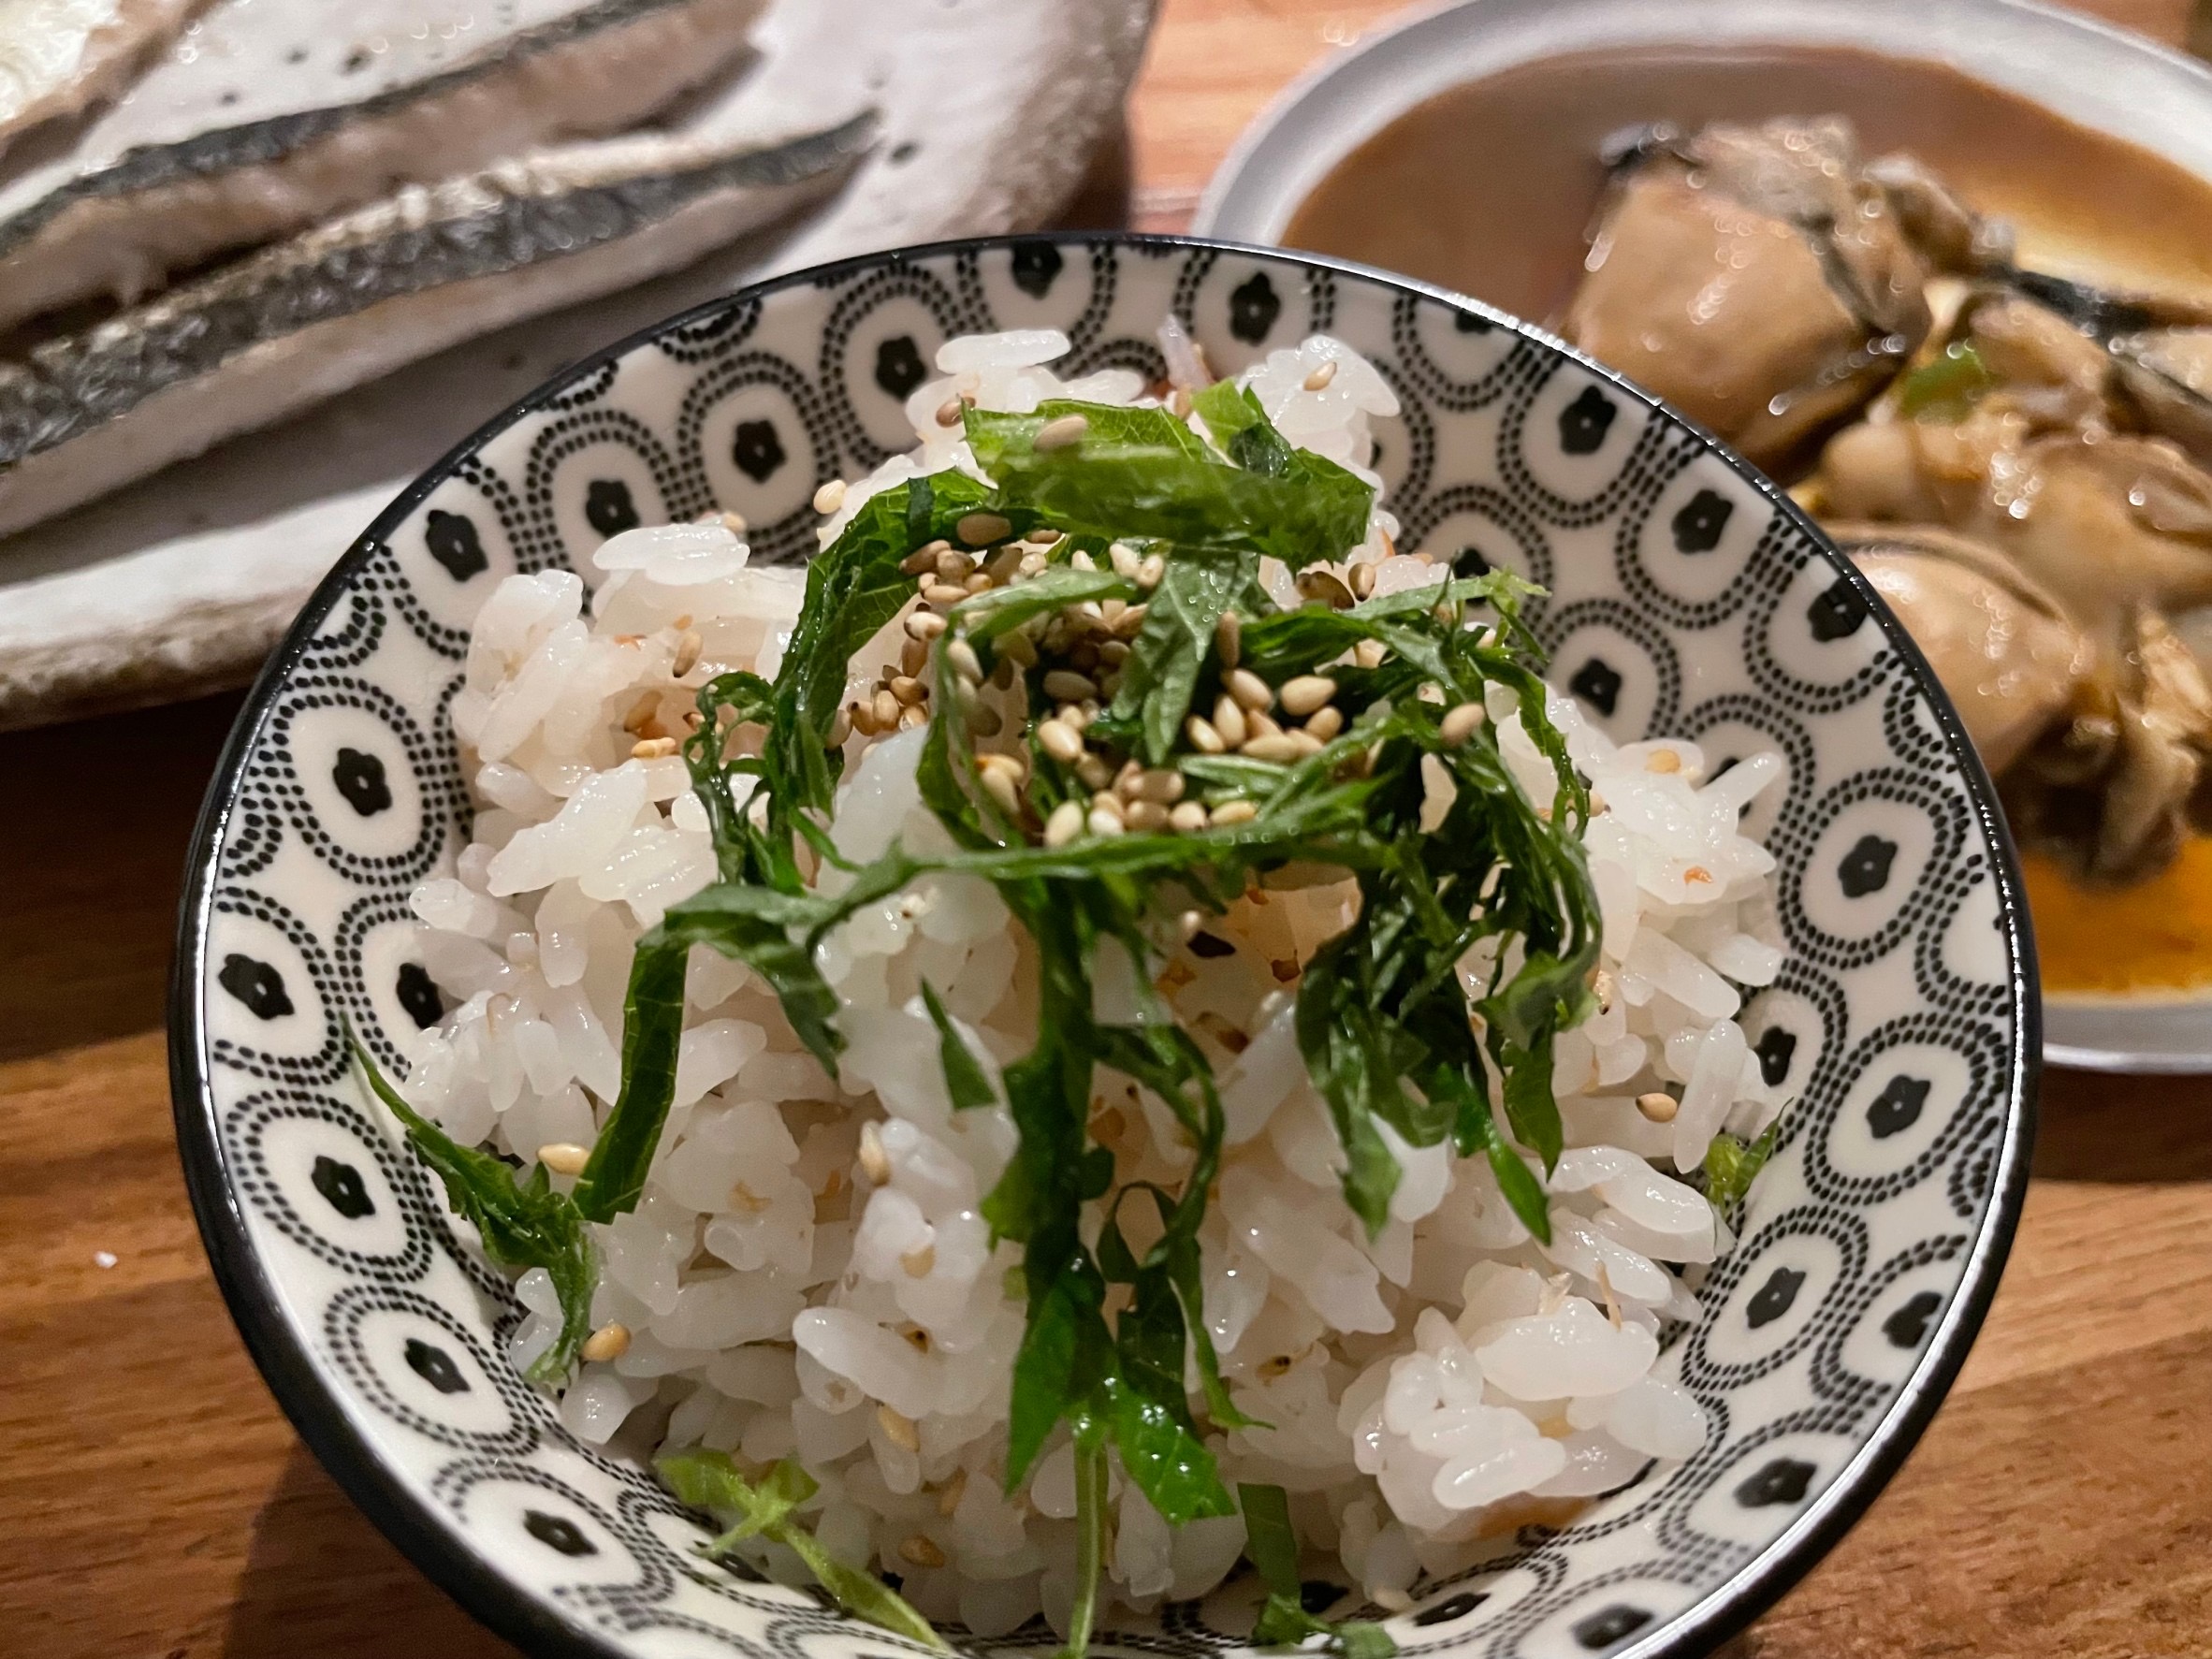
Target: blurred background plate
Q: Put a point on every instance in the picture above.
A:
(991, 114)
(1885, 62)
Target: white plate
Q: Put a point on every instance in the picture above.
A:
(2113, 81)
(179, 584)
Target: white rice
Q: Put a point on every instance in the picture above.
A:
(792, 1290)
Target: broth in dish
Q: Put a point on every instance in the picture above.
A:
(1884, 282)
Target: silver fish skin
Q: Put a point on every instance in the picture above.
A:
(265, 119)
(58, 58)
(334, 306)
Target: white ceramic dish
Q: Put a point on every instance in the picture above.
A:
(2113, 81)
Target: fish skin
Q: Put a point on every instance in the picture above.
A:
(120, 225)
(58, 60)
(345, 302)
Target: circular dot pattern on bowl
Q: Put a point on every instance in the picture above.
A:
(1686, 597)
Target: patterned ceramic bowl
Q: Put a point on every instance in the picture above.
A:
(1686, 597)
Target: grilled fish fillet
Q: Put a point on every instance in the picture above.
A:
(60, 57)
(342, 304)
(268, 117)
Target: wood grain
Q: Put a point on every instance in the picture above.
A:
(154, 1503)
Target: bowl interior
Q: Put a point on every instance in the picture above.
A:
(1686, 598)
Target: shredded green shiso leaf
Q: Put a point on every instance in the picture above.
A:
(1392, 1027)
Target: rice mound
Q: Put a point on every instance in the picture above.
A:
(807, 1272)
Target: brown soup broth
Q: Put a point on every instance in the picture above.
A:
(1434, 193)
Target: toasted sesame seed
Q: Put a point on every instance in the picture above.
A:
(875, 1163)
(1303, 693)
(980, 529)
(1249, 690)
(924, 625)
(949, 412)
(1146, 815)
(830, 497)
(1102, 821)
(1179, 404)
(1461, 724)
(1188, 816)
(652, 748)
(1280, 749)
(1360, 579)
(1068, 686)
(1662, 761)
(1074, 715)
(918, 1260)
(743, 1197)
(951, 566)
(1018, 648)
(1003, 565)
(841, 729)
(1326, 588)
(885, 706)
(1230, 812)
(1114, 653)
(611, 1340)
(1305, 741)
(1150, 569)
(1321, 376)
(961, 655)
(1060, 741)
(1229, 720)
(1002, 787)
(1228, 638)
(983, 719)
(1043, 535)
(564, 1157)
(688, 647)
(908, 689)
(910, 718)
(948, 1500)
(1659, 1106)
(1125, 560)
(897, 1426)
(1081, 559)
(921, 1552)
(1326, 724)
(863, 716)
(913, 656)
(1064, 824)
(1204, 735)
(937, 592)
(1369, 653)
(1260, 723)
(1163, 784)
(1060, 433)
(1013, 765)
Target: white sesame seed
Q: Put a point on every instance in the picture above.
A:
(1662, 761)
(1146, 815)
(1161, 783)
(1150, 570)
(564, 1158)
(1064, 823)
(1230, 812)
(611, 1340)
(1321, 376)
(1188, 816)
(1000, 786)
(1202, 735)
(1229, 720)
(653, 749)
(924, 625)
(1060, 741)
(943, 592)
(1326, 724)
(961, 655)
(1103, 822)
(908, 689)
(1361, 577)
(1249, 690)
(1305, 692)
(1125, 560)
(1060, 433)
(1659, 1106)
(875, 1163)
(1461, 723)
(885, 707)
(1280, 749)
(830, 497)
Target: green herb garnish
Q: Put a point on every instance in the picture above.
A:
(1731, 1167)
(1946, 386)
(1283, 1619)
(524, 1224)
(709, 1481)
(1390, 1031)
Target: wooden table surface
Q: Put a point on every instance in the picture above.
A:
(154, 1503)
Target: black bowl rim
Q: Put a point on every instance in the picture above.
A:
(468, 1576)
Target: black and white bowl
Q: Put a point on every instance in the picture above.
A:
(1686, 596)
